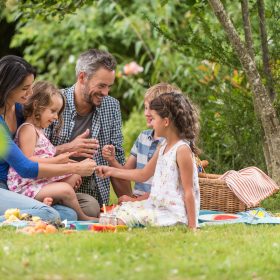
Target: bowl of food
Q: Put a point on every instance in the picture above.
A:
(102, 228)
(81, 225)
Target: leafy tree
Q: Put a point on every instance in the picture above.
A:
(262, 104)
(184, 45)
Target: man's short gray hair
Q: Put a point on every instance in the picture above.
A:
(92, 60)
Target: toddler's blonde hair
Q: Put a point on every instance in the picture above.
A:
(41, 99)
(159, 89)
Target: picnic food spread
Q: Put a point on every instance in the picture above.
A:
(27, 224)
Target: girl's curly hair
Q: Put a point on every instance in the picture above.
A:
(179, 109)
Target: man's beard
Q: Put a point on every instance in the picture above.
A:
(87, 96)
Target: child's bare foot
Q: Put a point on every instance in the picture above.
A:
(48, 201)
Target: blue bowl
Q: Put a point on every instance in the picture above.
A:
(82, 225)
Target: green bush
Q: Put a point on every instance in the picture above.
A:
(231, 136)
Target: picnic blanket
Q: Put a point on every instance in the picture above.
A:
(251, 217)
(250, 185)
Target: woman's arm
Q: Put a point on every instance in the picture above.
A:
(83, 168)
(16, 159)
(185, 164)
(29, 169)
(61, 158)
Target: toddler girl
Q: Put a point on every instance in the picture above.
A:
(174, 196)
(44, 106)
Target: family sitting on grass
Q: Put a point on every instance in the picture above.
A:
(53, 137)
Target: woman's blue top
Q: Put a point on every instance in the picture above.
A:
(14, 156)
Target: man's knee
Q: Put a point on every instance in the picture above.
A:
(89, 204)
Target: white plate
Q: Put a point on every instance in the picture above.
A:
(212, 217)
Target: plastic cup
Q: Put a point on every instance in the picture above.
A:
(108, 219)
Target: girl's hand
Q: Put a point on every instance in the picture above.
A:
(109, 153)
(103, 171)
(64, 158)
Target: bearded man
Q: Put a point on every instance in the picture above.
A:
(92, 119)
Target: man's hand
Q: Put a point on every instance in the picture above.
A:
(84, 146)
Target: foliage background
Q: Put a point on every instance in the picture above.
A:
(176, 42)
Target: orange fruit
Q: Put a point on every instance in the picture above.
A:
(51, 229)
(40, 230)
(40, 225)
(27, 230)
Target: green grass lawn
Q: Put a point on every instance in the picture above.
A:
(216, 252)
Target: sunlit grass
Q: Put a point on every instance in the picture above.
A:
(218, 252)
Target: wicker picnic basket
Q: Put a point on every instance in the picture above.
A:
(216, 195)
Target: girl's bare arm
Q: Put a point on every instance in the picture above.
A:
(185, 164)
(138, 175)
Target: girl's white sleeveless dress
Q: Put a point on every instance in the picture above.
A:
(165, 205)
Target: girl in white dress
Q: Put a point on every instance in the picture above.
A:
(174, 196)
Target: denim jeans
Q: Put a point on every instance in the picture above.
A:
(9, 199)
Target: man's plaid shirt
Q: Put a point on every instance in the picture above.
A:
(106, 128)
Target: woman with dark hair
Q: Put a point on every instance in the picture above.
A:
(16, 78)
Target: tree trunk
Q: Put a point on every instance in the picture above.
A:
(250, 48)
(247, 28)
(265, 52)
(263, 107)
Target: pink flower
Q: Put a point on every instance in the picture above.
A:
(132, 68)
